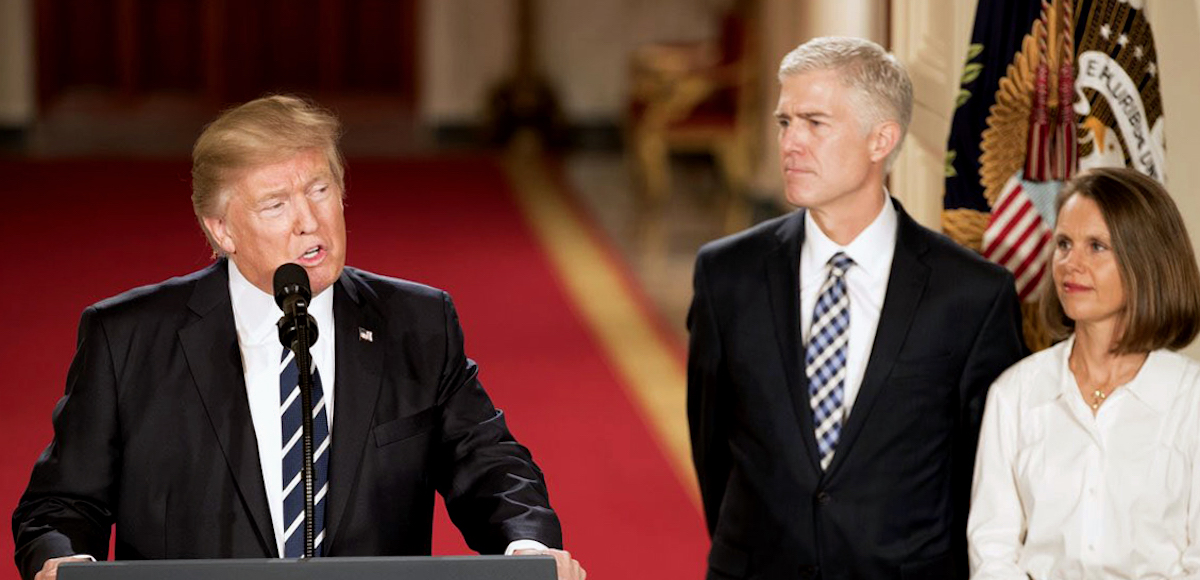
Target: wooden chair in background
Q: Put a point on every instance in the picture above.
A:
(695, 98)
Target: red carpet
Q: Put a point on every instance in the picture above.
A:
(84, 230)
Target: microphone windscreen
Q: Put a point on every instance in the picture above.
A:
(291, 279)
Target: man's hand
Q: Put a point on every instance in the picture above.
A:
(568, 567)
(50, 568)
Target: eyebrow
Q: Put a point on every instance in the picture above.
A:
(323, 177)
(270, 198)
(803, 115)
(282, 191)
(1085, 237)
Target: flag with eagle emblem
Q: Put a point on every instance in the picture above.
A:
(1049, 88)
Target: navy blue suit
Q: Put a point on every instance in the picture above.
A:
(893, 503)
(154, 434)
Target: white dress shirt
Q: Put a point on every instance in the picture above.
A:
(866, 282)
(1060, 493)
(255, 314)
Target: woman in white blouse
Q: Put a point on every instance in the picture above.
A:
(1089, 453)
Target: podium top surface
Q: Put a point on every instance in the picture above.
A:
(389, 568)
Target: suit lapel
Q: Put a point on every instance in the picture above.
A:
(783, 283)
(211, 348)
(906, 284)
(359, 377)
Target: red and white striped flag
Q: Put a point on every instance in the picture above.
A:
(1018, 234)
(1018, 238)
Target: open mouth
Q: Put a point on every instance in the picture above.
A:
(312, 256)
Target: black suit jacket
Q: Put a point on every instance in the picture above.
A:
(893, 503)
(154, 434)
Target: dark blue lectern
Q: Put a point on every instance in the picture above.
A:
(407, 568)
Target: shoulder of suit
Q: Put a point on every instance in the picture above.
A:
(387, 288)
(957, 259)
(170, 295)
(755, 240)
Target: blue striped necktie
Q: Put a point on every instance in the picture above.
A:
(293, 457)
(825, 356)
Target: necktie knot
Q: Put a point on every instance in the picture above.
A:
(839, 264)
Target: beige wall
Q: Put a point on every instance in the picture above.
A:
(16, 63)
(1176, 26)
(584, 49)
(464, 48)
(930, 37)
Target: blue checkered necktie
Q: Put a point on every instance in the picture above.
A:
(293, 457)
(825, 356)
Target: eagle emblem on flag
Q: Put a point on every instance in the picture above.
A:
(1080, 91)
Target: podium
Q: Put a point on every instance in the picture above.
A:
(389, 568)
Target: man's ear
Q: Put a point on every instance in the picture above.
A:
(220, 234)
(885, 137)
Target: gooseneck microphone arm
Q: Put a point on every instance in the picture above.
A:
(298, 331)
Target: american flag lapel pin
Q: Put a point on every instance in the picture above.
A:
(365, 335)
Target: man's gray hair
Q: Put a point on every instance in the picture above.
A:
(881, 89)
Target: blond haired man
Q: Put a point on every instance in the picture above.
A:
(171, 427)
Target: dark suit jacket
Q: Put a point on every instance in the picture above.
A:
(154, 434)
(893, 503)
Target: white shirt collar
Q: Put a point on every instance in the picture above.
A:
(255, 313)
(1157, 382)
(871, 250)
(1154, 384)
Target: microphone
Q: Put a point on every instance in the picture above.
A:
(291, 285)
(298, 331)
(292, 293)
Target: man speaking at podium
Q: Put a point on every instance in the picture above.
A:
(180, 423)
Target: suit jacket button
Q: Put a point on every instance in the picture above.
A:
(823, 498)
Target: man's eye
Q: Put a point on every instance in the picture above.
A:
(319, 192)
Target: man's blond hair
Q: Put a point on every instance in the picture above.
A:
(261, 132)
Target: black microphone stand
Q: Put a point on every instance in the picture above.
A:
(298, 329)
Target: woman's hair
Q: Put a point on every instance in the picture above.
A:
(1154, 258)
